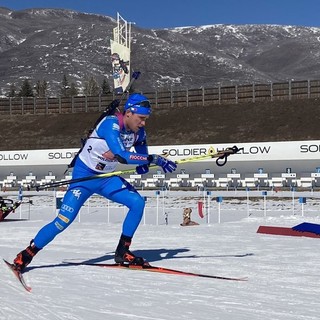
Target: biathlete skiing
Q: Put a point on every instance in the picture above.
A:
(107, 145)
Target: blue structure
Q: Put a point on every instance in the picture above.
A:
(307, 227)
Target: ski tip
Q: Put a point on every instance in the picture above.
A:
(18, 275)
(28, 289)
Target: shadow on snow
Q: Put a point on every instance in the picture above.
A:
(150, 255)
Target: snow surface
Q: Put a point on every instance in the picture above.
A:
(282, 271)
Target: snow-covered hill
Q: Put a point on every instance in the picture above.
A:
(47, 43)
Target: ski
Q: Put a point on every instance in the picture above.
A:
(150, 268)
(18, 275)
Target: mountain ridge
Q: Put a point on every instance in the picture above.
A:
(47, 43)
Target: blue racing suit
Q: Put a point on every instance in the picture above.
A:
(107, 145)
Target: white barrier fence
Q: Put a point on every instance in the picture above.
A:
(166, 207)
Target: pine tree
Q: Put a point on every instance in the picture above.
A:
(105, 87)
(73, 91)
(65, 88)
(26, 89)
(12, 90)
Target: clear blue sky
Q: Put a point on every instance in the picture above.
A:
(177, 13)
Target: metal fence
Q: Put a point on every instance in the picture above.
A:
(307, 89)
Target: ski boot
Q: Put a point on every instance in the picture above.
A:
(124, 256)
(25, 257)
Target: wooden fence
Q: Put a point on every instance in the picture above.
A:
(290, 90)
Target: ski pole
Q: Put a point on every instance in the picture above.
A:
(103, 175)
(220, 155)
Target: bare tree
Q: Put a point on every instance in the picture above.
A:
(41, 88)
(91, 87)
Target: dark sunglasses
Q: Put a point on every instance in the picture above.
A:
(145, 103)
